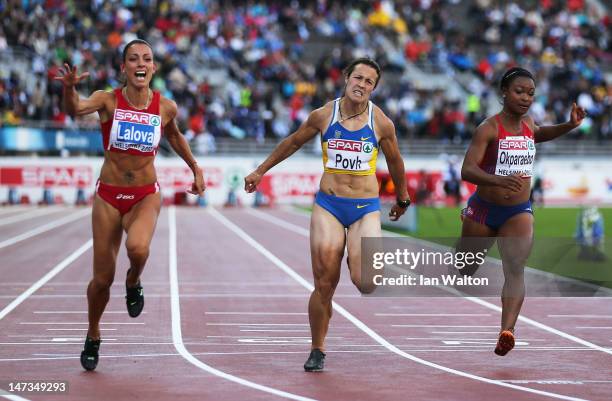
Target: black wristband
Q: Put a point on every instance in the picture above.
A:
(403, 203)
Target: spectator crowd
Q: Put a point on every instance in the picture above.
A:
(255, 69)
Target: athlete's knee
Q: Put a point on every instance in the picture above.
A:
(102, 282)
(325, 254)
(469, 269)
(137, 249)
(514, 271)
(364, 287)
(326, 289)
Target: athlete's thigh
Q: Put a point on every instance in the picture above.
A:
(367, 226)
(516, 238)
(140, 221)
(107, 232)
(475, 236)
(327, 240)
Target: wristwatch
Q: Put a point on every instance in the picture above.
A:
(403, 203)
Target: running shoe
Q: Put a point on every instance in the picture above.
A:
(315, 361)
(89, 355)
(134, 299)
(505, 342)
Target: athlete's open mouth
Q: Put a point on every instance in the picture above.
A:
(140, 74)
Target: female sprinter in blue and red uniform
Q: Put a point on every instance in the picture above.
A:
(500, 161)
(127, 198)
(346, 207)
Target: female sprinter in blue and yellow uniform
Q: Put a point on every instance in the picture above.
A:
(346, 207)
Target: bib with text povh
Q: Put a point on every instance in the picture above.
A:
(349, 155)
(515, 155)
(135, 130)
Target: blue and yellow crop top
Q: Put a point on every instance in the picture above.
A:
(350, 152)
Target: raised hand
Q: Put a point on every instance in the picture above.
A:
(69, 76)
(577, 115)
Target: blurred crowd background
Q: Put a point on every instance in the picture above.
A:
(253, 70)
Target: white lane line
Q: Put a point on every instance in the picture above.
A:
(594, 327)
(444, 325)
(468, 339)
(529, 321)
(80, 342)
(266, 337)
(43, 357)
(72, 323)
(257, 324)
(276, 330)
(44, 228)
(433, 314)
(45, 312)
(256, 313)
(544, 327)
(52, 273)
(558, 381)
(463, 332)
(29, 215)
(13, 209)
(84, 329)
(177, 335)
(363, 327)
(584, 316)
(11, 396)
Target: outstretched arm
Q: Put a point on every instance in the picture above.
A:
(73, 104)
(286, 148)
(395, 164)
(178, 142)
(550, 132)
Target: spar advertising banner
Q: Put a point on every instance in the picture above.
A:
(565, 181)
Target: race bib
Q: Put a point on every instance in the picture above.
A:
(135, 130)
(515, 155)
(344, 154)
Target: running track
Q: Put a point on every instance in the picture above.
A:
(225, 319)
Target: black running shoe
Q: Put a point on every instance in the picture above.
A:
(89, 355)
(134, 299)
(315, 361)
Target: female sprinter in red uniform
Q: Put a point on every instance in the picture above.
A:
(127, 194)
(500, 161)
(346, 207)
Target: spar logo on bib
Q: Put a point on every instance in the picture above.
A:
(346, 145)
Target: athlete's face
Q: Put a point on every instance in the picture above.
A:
(361, 83)
(518, 97)
(138, 65)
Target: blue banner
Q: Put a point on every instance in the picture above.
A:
(20, 139)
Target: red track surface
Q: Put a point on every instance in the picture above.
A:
(242, 315)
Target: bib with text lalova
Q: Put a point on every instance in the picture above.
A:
(515, 155)
(135, 130)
